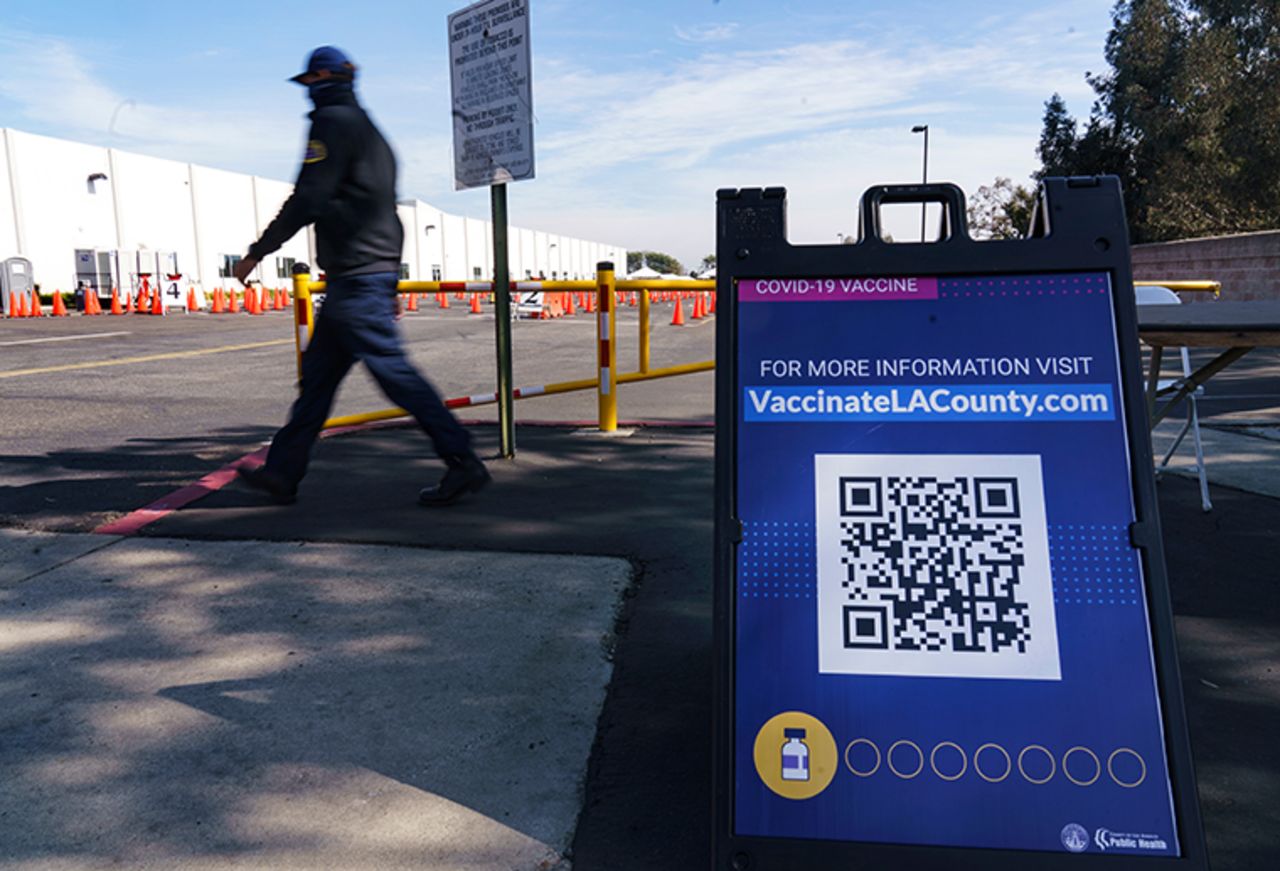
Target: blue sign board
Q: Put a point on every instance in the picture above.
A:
(941, 627)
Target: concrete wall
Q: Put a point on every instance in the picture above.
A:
(48, 209)
(144, 187)
(8, 214)
(58, 209)
(1248, 265)
(225, 215)
(477, 249)
(454, 231)
(269, 196)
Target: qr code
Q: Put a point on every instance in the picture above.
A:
(934, 565)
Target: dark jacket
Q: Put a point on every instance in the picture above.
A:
(347, 188)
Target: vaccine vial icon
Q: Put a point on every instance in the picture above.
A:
(795, 756)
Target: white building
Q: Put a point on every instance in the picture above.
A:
(82, 212)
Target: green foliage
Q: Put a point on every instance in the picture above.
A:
(1001, 210)
(708, 262)
(1188, 116)
(655, 260)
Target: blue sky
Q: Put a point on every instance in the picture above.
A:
(643, 109)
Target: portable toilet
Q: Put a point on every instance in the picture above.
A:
(15, 278)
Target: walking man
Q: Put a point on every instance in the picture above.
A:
(347, 188)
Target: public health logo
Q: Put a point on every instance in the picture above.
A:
(1075, 837)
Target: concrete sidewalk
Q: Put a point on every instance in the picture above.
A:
(222, 705)
(1246, 458)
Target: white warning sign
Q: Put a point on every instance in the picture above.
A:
(492, 93)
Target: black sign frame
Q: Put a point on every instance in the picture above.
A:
(1078, 225)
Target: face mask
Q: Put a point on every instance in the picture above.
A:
(319, 88)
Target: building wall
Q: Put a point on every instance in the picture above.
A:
(224, 212)
(145, 187)
(477, 249)
(409, 251)
(8, 215)
(269, 196)
(455, 248)
(1248, 265)
(48, 209)
(59, 211)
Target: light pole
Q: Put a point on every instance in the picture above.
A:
(924, 178)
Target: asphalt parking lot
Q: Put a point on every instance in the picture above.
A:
(83, 442)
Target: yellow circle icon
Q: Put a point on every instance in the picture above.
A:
(795, 755)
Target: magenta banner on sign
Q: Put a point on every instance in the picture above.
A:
(836, 289)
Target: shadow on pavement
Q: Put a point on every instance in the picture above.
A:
(76, 491)
(171, 703)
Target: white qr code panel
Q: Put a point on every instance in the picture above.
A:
(934, 565)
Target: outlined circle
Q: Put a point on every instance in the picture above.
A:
(849, 765)
(1008, 763)
(964, 760)
(1136, 755)
(888, 759)
(1097, 767)
(1053, 764)
(823, 755)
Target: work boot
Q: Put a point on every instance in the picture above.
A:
(462, 477)
(259, 478)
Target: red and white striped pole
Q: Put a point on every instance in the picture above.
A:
(606, 334)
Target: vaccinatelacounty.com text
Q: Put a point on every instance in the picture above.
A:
(942, 402)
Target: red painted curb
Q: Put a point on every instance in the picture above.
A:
(210, 483)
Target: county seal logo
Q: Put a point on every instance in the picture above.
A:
(1075, 838)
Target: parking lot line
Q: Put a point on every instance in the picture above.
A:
(125, 361)
(65, 338)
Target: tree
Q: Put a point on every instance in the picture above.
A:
(708, 262)
(1188, 116)
(1001, 210)
(655, 260)
(1057, 140)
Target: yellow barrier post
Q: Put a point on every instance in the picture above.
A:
(303, 317)
(644, 329)
(606, 334)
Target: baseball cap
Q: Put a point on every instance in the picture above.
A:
(327, 57)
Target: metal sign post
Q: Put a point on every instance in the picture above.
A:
(493, 143)
(943, 631)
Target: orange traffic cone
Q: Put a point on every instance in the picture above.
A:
(677, 317)
(280, 303)
(157, 303)
(37, 311)
(217, 307)
(460, 296)
(234, 306)
(413, 303)
(191, 300)
(22, 306)
(697, 307)
(116, 308)
(475, 304)
(59, 308)
(568, 304)
(711, 303)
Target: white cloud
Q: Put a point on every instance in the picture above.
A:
(706, 32)
(632, 144)
(55, 90)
